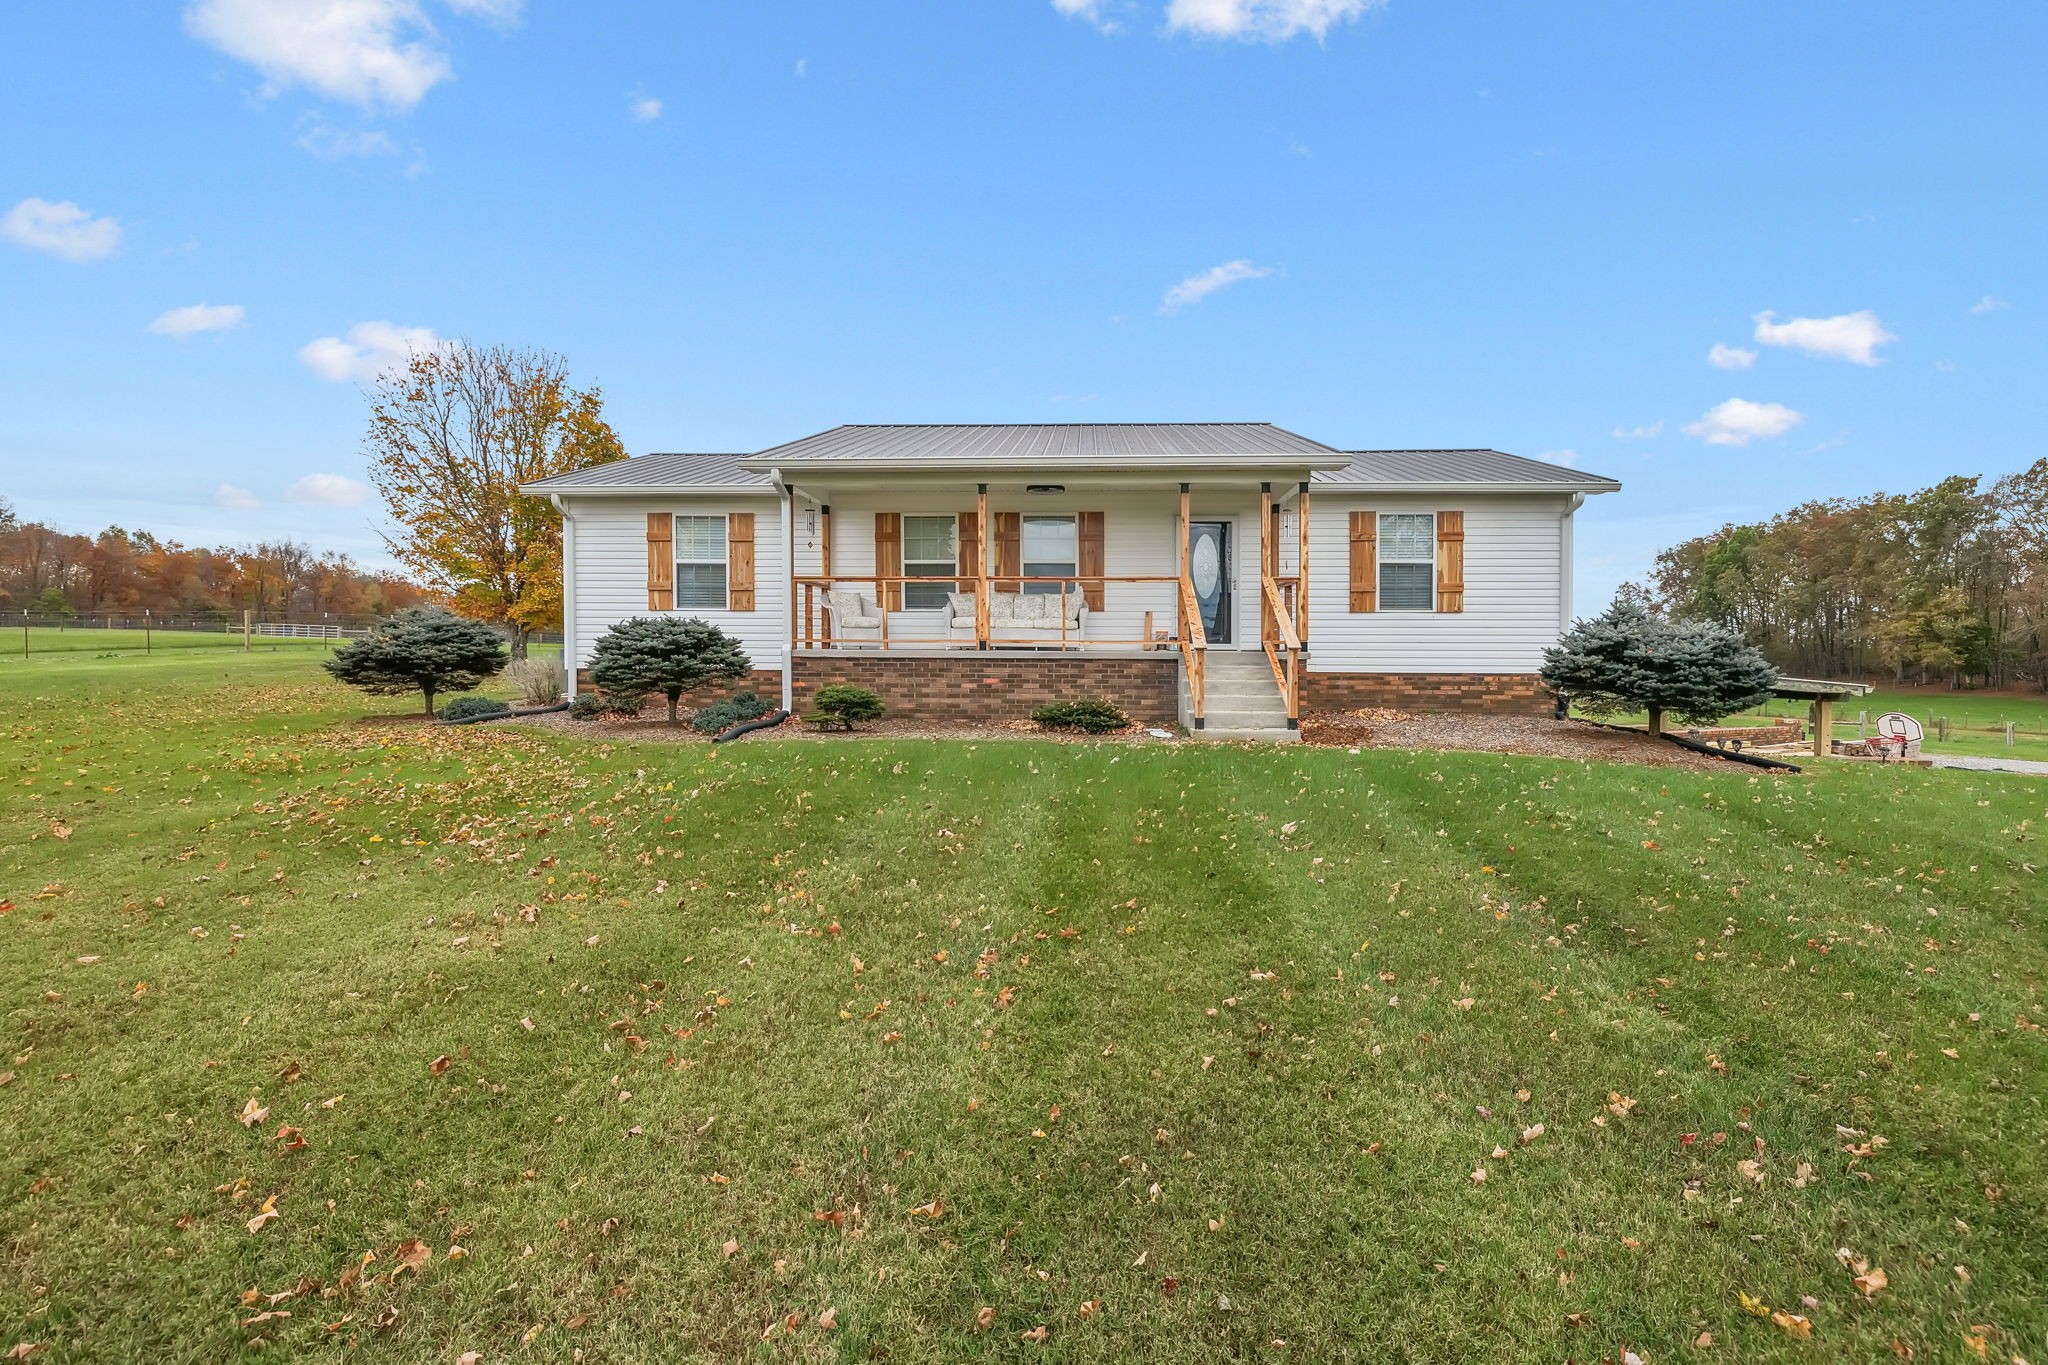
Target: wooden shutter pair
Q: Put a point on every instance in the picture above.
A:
(1450, 561)
(661, 561)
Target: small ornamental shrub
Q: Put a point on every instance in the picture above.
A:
(844, 705)
(586, 706)
(536, 682)
(420, 649)
(721, 716)
(1093, 715)
(665, 654)
(467, 708)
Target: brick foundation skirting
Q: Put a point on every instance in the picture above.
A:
(1514, 694)
(979, 687)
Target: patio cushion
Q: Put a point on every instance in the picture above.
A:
(960, 607)
(853, 609)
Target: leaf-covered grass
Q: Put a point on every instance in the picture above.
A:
(1177, 1052)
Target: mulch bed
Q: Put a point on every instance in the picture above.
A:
(1540, 736)
(655, 728)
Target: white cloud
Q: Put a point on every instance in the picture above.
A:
(1094, 11)
(1648, 433)
(1738, 421)
(198, 317)
(368, 52)
(1730, 357)
(1195, 288)
(644, 108)
(1846, 336)
(1568, 458)
(370, 349)
(329, 143)
(234, 498)
(1269, 21)
(1987, 304)
(327, 490)
(61, 229)
(803, 66)
(503, 13)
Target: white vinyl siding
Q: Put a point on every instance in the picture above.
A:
(1407, 569)
(931, 549)
(701, 567)
(1513, 582)
(609, 576)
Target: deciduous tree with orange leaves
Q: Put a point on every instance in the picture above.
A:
(452, 436)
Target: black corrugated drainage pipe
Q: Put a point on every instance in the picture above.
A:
(747, 727)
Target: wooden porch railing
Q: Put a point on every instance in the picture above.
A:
(814, 625)
(1280, 641)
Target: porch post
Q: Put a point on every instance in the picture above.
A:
(1301, 569)
(981, 547)
(789, 564)
(1269, 558)
(825, 560)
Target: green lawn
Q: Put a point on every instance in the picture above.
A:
(1180, 1052)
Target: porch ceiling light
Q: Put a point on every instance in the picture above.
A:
(1045, 488)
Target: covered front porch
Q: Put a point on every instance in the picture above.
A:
(1100, 567)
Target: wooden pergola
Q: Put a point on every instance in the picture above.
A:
(1823, 693)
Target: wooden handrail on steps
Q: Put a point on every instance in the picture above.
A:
(1283, 648)
(1194, 646)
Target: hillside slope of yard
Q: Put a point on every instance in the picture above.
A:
(923, 1051)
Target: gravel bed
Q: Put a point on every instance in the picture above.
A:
(1538, 735)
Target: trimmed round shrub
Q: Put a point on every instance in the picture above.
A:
(844, 705)
(420, 649)
(586, 706)
(468, 708)
(1092, 715)
(721, 716)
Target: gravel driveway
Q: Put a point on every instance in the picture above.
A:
(2031, 767)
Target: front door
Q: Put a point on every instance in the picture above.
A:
(1209, 569)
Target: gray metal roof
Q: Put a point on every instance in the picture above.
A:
(655, 472)
(1049, 442)
(1453, 468)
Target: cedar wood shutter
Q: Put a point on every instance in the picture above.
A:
(1089, 525)
(889, 559)
(1009, 530)
(739, 559)
(1450, 561)
(970, 550)
(661, 561)
(1365, 561)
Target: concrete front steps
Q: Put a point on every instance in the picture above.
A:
(1241, 699)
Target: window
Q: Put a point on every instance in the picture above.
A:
(1407, 561)
(700, 563)
(1051, 549)
(931, 549)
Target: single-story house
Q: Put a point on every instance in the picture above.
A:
(1224, 576)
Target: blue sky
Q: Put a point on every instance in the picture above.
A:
(1425, 224)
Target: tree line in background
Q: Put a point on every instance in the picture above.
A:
(55, 573)
(1947, 584)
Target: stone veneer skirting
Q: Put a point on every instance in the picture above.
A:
(1517, 694)
(997, 684)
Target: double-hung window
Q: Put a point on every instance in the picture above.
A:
(1407, 568)
(700, 563)
(1051, 549)
(931, 549)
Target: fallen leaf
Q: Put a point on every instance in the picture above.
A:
(935, 1209)
(1479, 1176)
(254, 1112)
(439, 1066)
(828, 1319)
(1530, 1134)
(1037, 1333)
(731, 1247)
(1089, 1308)
(1751, 1171)
(984, 1318)
(1792, 1325)
(1756, 1308)
(265, 1216)
(576, 1322)
(1871, 1282)
(411, 1254)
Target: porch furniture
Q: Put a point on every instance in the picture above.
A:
(1014, 616)
(855, 618)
